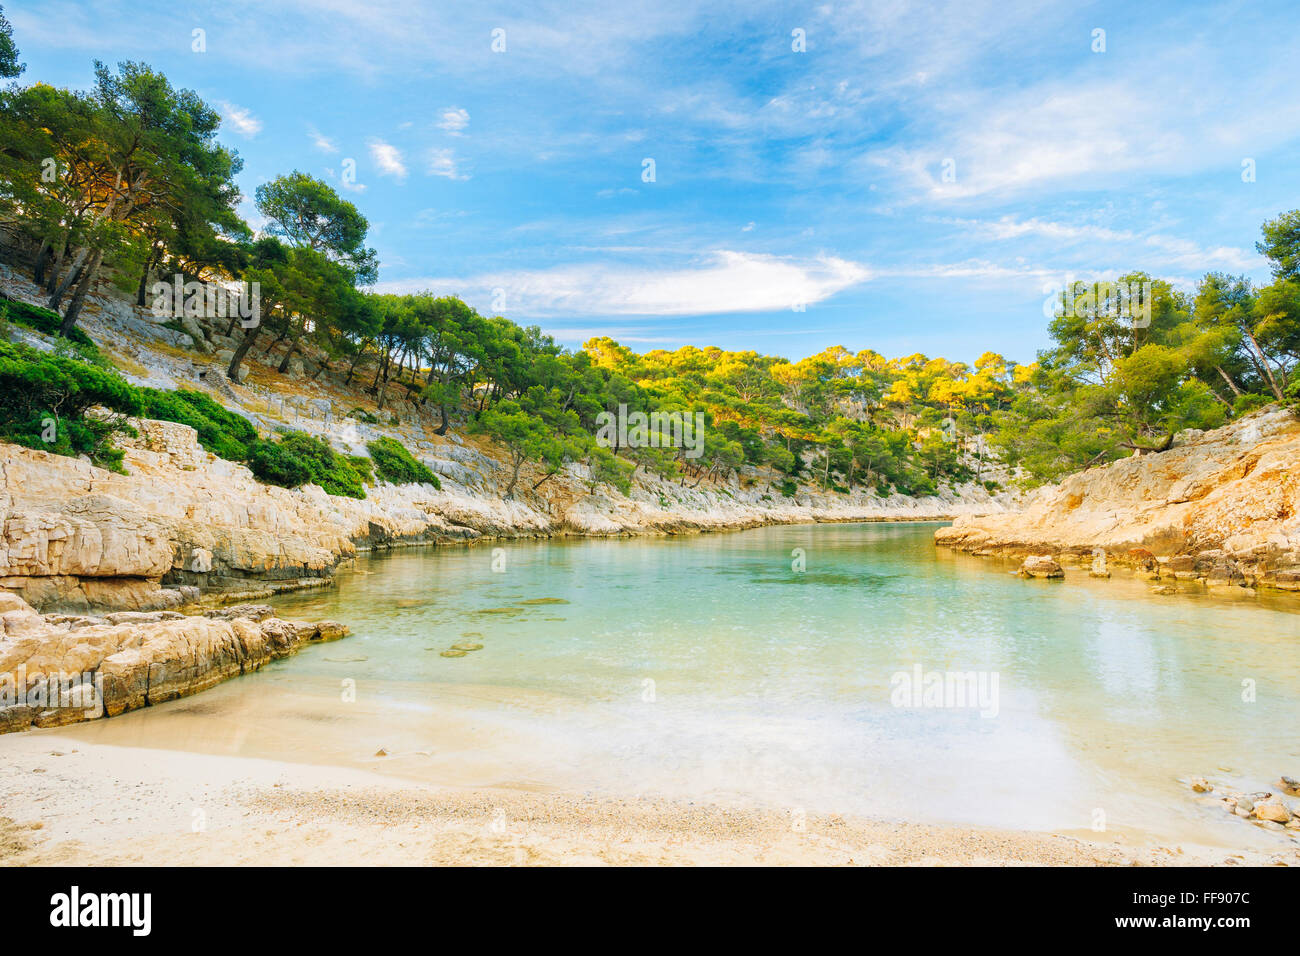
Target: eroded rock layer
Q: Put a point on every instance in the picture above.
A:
(1220, 507)
(61, 669)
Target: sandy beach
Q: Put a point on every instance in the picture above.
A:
(65, 802)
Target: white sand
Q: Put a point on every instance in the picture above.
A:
(64, 801)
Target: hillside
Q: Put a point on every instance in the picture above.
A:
(1221, 508)
(79, 537)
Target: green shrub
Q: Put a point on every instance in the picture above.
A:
(394, 463)
(221, 431)
(363, 415)
(363, 466)
(42, 320)
(276, 465)
(788, 487)
(298, 458)
(44, 398)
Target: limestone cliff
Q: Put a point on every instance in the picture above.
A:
(75, 537)
(1222, 507)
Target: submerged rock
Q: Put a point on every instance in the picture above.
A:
(453, 652)
(1040, 566)
(1098, 569)
(60, 669)
(1274, 812)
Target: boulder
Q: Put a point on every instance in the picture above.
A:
(1040, 566)
(1273, 812)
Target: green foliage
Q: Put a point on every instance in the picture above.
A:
(44, 399)
(394, 463)
(275, 464)
(9, 65)
(1292, 394)
(220, 431)
(363, 466)
(41, 320)
(298, 451)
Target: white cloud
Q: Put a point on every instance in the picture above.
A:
(454, 120)
(442, 162)
(1009, 227)
(388, 158)
(321, 141)
(240, 119)
(722, 282)
(1170, 252)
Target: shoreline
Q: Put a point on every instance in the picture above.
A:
(69, 802)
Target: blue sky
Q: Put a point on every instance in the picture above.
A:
(781, 178)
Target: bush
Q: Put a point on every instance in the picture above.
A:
(298, 458)
(788, 487)
(221, 431)
(276, 465)
(33, 384)
(394, 463)
(42, 320)
(1292, 395)
(363, 466)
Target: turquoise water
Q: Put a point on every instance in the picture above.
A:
(710, 669)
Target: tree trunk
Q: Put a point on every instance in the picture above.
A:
(79, 294)
(1227, 378)
(43, 258)
(57, 257)
(293, 347)
(144, 277)
(73, 276)
(514, 477)
(1272, 382)
(236, 360)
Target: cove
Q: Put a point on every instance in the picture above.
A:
(709, 669)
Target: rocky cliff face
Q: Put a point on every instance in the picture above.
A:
(75, 537)
(60, 669)
(1221, 507)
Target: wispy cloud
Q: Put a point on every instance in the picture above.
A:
(442, 162)
(240, 120)
(388, 158)
(722, 282)
(454, 120)
(321, 141)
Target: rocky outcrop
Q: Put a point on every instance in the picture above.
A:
(60, 669)
(1221, 508)
(77, 538)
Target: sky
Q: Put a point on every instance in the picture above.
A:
(907, 177)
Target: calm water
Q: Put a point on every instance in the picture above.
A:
(706, 668)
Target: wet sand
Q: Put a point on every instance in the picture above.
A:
(67, 802)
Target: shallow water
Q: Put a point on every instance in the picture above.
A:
(707, 668)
